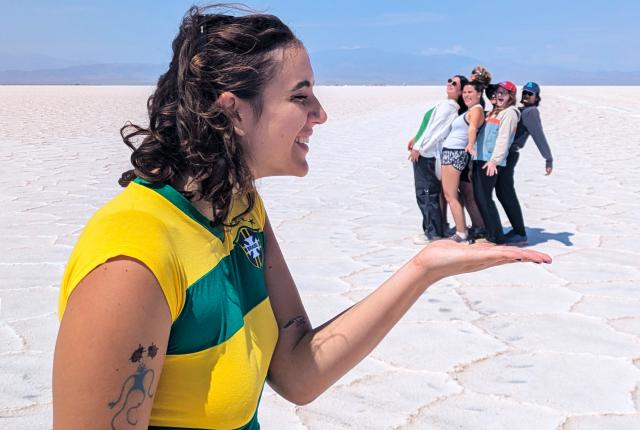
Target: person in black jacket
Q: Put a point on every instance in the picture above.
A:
(529, 125)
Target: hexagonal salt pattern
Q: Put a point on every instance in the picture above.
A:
(553, 347)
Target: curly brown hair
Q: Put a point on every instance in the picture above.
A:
(189, 133)
(482, 75)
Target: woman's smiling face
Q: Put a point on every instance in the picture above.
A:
(276, 140)
(470, 96)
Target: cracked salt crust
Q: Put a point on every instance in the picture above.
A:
(527, 347)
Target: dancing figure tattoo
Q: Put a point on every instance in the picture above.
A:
(137, 385)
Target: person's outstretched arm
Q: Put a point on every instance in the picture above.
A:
(307, 361)
(110, 349)
(531, 120)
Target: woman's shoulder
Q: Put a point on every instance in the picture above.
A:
(133, 219)
(133, 206)
(511, 111)
(447, 104)
(127, 226)
(476, 110)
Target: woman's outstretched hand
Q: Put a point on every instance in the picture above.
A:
(445, 258)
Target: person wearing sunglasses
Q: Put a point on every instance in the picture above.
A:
(455, 160)
(529, 125)
(490, 156)
(424, 152)
(490, 92)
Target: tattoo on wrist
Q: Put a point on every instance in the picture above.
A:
(298, 321)
(135, 383)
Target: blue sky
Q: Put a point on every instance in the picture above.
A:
(586, 35)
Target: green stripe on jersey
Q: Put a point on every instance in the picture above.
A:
(216, 303)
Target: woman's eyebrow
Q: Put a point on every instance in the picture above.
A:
(301, 84)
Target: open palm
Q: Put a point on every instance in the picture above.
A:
(447, 258)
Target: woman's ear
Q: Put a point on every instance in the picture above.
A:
(230, 104)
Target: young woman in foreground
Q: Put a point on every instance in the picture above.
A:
(177, 303)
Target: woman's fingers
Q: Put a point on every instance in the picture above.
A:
(512, 254)
(523, 255)
(447, 258)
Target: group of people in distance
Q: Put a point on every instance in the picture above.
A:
(462, 153)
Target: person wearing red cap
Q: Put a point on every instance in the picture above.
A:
(490, 155)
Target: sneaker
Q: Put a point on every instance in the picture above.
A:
(514, 239)
(457, 238)
(421, 239)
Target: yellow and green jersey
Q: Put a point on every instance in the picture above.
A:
(223, 329)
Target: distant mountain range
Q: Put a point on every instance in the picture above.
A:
(95, 74)
(361, 66)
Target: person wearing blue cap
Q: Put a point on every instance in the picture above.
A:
(529, 125)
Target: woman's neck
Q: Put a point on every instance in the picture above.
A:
(187, 184)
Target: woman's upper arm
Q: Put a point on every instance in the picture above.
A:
(287, 306)
(476, 118)
(110, 348)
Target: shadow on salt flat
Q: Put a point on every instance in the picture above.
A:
(537, 236)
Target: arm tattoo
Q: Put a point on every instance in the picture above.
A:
(137, 385)
(298, 321)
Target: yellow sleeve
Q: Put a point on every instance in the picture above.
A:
(126, 233)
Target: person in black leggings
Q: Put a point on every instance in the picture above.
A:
(529, 125)
(490, 153)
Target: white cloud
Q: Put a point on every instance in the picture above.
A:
(455, 49)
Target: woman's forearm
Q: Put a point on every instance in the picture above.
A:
(309, 360)
(328, 352)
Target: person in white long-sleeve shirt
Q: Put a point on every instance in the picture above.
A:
(424, 151)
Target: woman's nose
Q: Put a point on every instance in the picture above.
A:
(318, 114)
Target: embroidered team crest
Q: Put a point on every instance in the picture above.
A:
(248, 240)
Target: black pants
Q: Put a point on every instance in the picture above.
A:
(428, 190)
(483, 186)
(506, 193)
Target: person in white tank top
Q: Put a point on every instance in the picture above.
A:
(456, 155)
